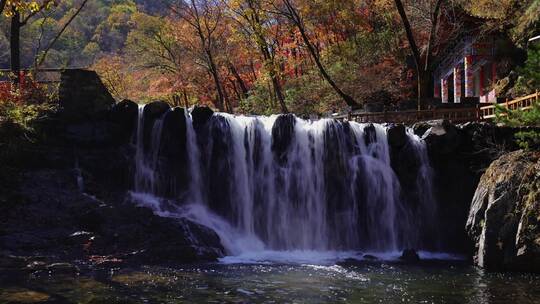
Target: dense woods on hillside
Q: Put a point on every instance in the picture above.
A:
(256, 56)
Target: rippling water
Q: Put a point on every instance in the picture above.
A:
(385, 282)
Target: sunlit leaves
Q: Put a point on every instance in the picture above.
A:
(26, 6)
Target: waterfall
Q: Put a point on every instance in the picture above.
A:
(283, 183)
(146, 161)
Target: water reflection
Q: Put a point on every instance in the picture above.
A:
(368, 283)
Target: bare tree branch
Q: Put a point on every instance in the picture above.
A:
(44, 55)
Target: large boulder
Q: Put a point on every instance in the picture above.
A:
(152, 113)
(442, 137)
(201, 115)
(397, 136)
(370, 134)
(53, 218)
(82, 95)
(504, 219)
(155, 110)
(125, 114)
(173, 159)
(409, 256)
(282, 136)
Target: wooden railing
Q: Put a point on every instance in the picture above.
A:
(523, 103)
(453, 115)
(409, 117)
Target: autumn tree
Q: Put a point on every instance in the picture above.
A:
(254, 20)
(205, 17)
(290, 11)
(20, 12)
(423, 71)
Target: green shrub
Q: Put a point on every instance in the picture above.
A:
(529, 139)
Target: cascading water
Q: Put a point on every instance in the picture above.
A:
(146, 161)
(283, 183)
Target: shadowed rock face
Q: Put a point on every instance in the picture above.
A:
(89, 149)
(172, 154)
(53, 218)
(397, 136)
(201, 115)
(83, 95)
(282, 136)
(504, 216)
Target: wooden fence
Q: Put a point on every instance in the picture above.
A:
(523, 103)
(408, 117)
(459, 115)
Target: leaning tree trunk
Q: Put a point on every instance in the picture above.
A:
(297, 20)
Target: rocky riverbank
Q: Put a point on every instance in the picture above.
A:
(504, 219)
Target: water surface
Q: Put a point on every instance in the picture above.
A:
(383, 282)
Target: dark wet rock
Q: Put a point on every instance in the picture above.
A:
(36, 266)
(370, 134)
(62, 269)
(201, 115)
(409, 256)
(370, 257)
(11, 261)
(152, 113)
(218, 140)
(397, 136)
(124, 114)
(80, 238)
(504, 216)
(420, 128)
(82, 95)
(173, 163)
(56, 219)
(348, 262)
(155, 110)
(282, 136)
(91, 133)
(110, 128)
(442, 137)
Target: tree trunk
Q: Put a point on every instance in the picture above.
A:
(432, 32)
(414, 49)
(15, 34)
(215, 76)
(297, 20)
(279, 94)
(423, 77)
(2, 6)
(270, 67)
(186, 101)
(235, 89)
(228, 107)
(240, 81)
(269, 62)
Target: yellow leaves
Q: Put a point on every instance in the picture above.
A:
(490, 8)
(33, 6)
(24, 6)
